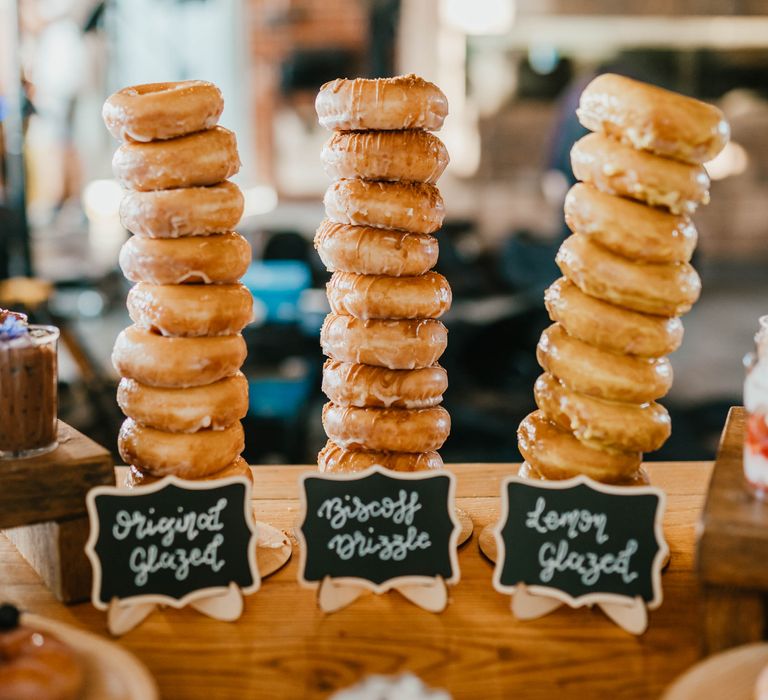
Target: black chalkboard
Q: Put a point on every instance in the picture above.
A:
(171, 541)
(378, 528)
(583, 540)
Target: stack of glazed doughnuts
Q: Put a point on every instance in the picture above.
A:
(181, 388)
(383, 336)
(626, 281)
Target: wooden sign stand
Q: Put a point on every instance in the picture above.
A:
(529, 602)
(431, 596)
(42, 510)
(732, 550)
(108, 553)
(427, 591)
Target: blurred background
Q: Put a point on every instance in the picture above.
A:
(512, 70)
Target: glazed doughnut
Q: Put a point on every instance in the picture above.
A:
(135, 477)
(375, 251)
(629, 228)
(380, 296)
(35, 665)
(408, 156)
(653, 119)
(162, 110)
(402, 102)
(387, 429)
(623, 426)
(639, 478)
(203, 158)
(190, 310)
(186, 455)
(556, 454)
(611, 327)
(617, 169)
(600, 373)
(408, 206)
(152, 359)
(668, 289)
(365, 386)
(187, 410)
(220, 259)
(335, 459)
(403, 344)
(188, 211)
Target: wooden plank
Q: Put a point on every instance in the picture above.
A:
(55, 550)
(730, 617)
(733, 544)
(53, 486)
(284, 647)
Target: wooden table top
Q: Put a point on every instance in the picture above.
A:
(284, 647)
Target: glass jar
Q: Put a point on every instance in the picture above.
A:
(756, 409)
(28, 392)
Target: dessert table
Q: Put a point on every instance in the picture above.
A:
(284, 647)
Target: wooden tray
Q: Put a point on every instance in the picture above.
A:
(729, 675)
(111, 672)
(732, 550)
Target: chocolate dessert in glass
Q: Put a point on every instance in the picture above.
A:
(28, 387)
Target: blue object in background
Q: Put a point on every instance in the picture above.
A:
(277, 397)
(276, 286)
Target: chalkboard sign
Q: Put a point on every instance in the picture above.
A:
(378, 528)
(580, 541)
(171, 542)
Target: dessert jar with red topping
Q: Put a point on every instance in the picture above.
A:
(28, 387)
(756, 407)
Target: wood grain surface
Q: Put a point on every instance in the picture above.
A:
(284, 647)
(53, 486)
(732, 550)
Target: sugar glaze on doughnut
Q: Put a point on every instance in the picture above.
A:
(203, 158)
(624, 426)
(653, 119)
(155, 360)
(557, 454)
(187, 211)
(335, 459)
(219, 259)
(395, 344)
(350, 384)
(185, 410)
(381, 296)
(408, 206)
(186, 455)
(407, 155)
(156, 111)
(617, 169)
(387, 429)
(609, 326)
(600, 373)
(375, 251)
(402, 102)
(190, 310)
(629, 228)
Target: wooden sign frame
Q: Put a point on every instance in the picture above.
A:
(533, 601)
(220, 602)
(427, 592)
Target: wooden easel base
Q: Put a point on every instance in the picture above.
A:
(273, 549)
(467, 526)
(432, 597)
